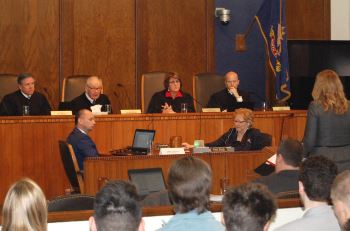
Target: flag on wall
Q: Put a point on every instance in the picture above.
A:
(271, 19)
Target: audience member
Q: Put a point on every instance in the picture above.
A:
(82, 144)
(316, 177)
(189, 184)
(248, 207)
(117, 208)
(24, 208)
(170, 99)
(243, 136)
(286, 175)
(327, 129)
(92, 96)
(227, 98)
(340, 195)
(13, 103)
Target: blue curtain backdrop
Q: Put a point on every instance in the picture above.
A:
(250, 65)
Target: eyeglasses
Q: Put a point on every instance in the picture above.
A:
(95, 88)
(174, 82)
(239, 121)
(232, 81)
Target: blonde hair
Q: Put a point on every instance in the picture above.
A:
(328, 91)
(341, 188)
(25, 208)
(247, 115)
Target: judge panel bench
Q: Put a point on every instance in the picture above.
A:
(29, 145)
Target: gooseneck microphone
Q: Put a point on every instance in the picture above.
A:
(48, 96)
(118, 100)
(125, 93)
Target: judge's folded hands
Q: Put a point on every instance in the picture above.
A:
(187, 145)
(167, 108)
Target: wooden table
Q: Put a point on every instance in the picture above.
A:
(29, 145)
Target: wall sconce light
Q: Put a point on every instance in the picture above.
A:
(223, 14)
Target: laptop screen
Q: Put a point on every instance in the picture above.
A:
(147, 180)
(143, 139)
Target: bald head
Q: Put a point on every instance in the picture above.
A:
(93, 87)
(231, 80)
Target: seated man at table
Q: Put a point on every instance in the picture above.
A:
(248, 207)
(189, 184)
(92, 96)
(227, 98)
(317, 174)
(12, 104)
(286, 175)
(82, 144)
(117, 208)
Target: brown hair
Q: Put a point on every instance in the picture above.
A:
(328, 91)
(247, 115)
(189, 182)
(341, 188)
(25, 207)
(170, 75)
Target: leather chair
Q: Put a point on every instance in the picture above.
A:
(71, 167)
(72, 202)
(8, 84)
(151, 83)
(288, 194)
(204, 85)
(73, 86)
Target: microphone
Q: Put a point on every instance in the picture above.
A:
(118, 99)
(48, 96)
(125, 93)
(195, 100)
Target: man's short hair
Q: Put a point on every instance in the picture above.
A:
(292, 152)
(117, 207)
(23, 76)
(248, 207)
(189, 182)
(317, 174)
(79, 114)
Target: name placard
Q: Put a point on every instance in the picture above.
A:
(284, 108)
(215, 109)
(56, 113)
(130, 111)
(171, 151)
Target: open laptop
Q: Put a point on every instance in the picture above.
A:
(147, 180)
(143, 140)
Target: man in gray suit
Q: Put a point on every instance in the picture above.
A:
(316, 177)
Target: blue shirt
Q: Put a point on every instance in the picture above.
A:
(193, 221)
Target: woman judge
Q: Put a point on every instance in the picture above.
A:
(170, 99)
(242, 136)
(327, 129)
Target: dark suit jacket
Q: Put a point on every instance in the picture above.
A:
(12, 104)
(253, 139)
(224, 100)
(159, 99)
(327, 134)
(83, 146)
(82, 102)
(283, 181)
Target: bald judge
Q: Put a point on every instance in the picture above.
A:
(228, 97)
(92, 96)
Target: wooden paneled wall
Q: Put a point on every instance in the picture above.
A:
(120, 40)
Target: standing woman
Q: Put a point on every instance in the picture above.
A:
(170, 99)
(24, 208)
(327, 129)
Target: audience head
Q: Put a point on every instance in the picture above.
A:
(316, 177)
(243, 119)
(340, 195)
(26, 83)
(93, 87)
(231, 80)
(289, 153)
(24, 208)
(248, 207)
(85, 120)
(117, 208)
(328, 91)
(172, 82)
(189, 183)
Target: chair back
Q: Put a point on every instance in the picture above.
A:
(204, 85)
(8, 84)
(71, 166)
(151, 82)
(73, 86)
(288, 194)
(73, 202)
